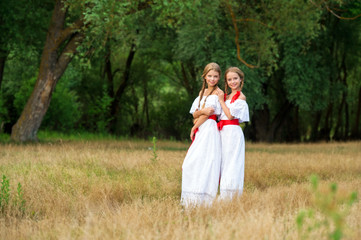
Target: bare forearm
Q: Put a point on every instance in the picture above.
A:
(197, 114)
(205, 111)
(200, 121)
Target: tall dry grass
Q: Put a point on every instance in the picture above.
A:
(113, 190)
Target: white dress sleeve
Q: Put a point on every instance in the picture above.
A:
(194, 106)
(239, 109)
(212, 101)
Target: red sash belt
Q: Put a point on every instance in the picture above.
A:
(214, 117)
(222, 123)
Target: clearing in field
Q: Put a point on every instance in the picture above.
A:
(124, 190)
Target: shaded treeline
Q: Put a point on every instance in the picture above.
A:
(133, 69)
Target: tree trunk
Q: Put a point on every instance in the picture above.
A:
(189, 75)
(52, 66)
(185, 82)
(347, 122)
(260, 124)
(316, 123)
(289, 129)
(110, 75)
(355, 129)
(118, 94)
(146, 105)
(277, 121)
(324, 133)
(338, 132)
(3, 56)
(294, 128)
(347, 117)
(115, 108)
(341, 130)
(136, 126)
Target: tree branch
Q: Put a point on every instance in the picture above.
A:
(66, 33)
(116, 71)
(333, 13)
(234, 21)
(67, 54)
(345, 18)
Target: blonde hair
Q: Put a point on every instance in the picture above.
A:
(210, 66)
(235, 70)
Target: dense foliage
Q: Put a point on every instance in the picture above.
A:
(138, 65)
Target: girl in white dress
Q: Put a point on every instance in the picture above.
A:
(200, 170)
(234, 112)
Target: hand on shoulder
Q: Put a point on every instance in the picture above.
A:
(219, 90)
(220, 94)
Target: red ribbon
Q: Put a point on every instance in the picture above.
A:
(234, 98)
(222, 123)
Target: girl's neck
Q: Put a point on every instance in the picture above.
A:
(211, 88)
(234, 91)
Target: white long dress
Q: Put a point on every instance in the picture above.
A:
(201, 166)
(233, 151)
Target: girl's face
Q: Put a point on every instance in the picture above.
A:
(233, 80)
(212, 78)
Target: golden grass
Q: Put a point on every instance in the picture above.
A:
(112, 190)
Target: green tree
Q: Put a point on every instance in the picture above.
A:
(73, 23)
(298, 57)
(17, 33)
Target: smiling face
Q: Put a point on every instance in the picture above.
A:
(233, 80)
(212, 78)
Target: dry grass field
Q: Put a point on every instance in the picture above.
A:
(114, 190)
